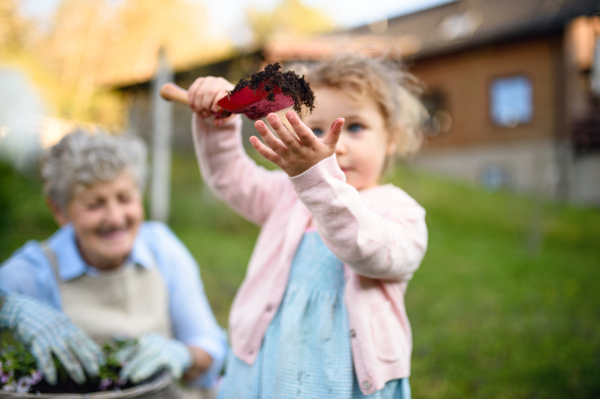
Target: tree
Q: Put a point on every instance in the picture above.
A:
(93, 45)
(143, 27)
(14, 29)
(290, 18)
(73, 50)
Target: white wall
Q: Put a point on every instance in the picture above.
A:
(527, 166)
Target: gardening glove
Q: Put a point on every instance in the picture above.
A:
(45, 331)
(152, 353)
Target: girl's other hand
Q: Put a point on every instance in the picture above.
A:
(204, 94)
(295, 154)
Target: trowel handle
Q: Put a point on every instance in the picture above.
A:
(172, 92)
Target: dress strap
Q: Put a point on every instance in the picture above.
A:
(51, 256)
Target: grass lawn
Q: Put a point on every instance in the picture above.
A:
(496, 313)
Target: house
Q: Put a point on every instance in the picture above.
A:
(508, 88)
(508, 85)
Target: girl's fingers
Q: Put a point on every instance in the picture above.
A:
(199, 96)
(290, 141)
(204, 94)
(305, 135)
(214, 92)
(192, 93)
(209, 95)
(265, 151)
(274, 144)
(334, 133)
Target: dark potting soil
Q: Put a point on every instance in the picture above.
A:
(290, 84)
(67, 385)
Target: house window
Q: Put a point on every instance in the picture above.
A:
(439, 120)
(511, 101)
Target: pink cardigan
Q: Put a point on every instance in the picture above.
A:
(379, 234)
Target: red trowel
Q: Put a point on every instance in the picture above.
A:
(265, 92)
(252, 103)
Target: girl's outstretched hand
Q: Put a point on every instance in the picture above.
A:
(204, 94)
(295, 154)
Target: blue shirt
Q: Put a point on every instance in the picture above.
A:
(29, 272)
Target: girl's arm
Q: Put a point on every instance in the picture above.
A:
(386, 240)
(250, 190)
(387, 244)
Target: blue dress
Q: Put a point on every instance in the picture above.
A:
(306, 352)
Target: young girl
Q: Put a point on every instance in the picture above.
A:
(321, 312)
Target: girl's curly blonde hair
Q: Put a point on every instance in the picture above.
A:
(386, 81)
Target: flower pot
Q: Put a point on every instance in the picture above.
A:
(162, 387)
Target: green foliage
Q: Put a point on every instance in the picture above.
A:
(20, 365)
(110, 370)
(17, 362)
(23, 213)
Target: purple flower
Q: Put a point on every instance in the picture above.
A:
(105, 383)
(36, 376)
(23, 385)
(10, 387)
(4, 379)
(121, 381)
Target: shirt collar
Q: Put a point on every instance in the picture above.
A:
(70, 263)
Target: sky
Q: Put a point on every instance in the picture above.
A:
(227, 16)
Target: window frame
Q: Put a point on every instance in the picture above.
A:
(489, 101)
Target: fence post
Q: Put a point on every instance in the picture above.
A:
(161, 143)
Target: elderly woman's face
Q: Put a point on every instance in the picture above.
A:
(106, 217)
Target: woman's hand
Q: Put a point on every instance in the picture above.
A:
(204, 94)
(155, 352)
(295, 154)
(46, 332)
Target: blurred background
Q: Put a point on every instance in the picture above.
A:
(504, 305)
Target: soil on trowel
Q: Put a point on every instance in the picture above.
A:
(290, 84)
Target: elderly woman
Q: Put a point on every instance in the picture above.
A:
(109, 271)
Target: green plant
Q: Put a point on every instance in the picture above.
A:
(18, 369)
(19, 372)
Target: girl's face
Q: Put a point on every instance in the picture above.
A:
(106, 217)
(365, 141)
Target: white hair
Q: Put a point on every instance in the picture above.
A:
(81, 158)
